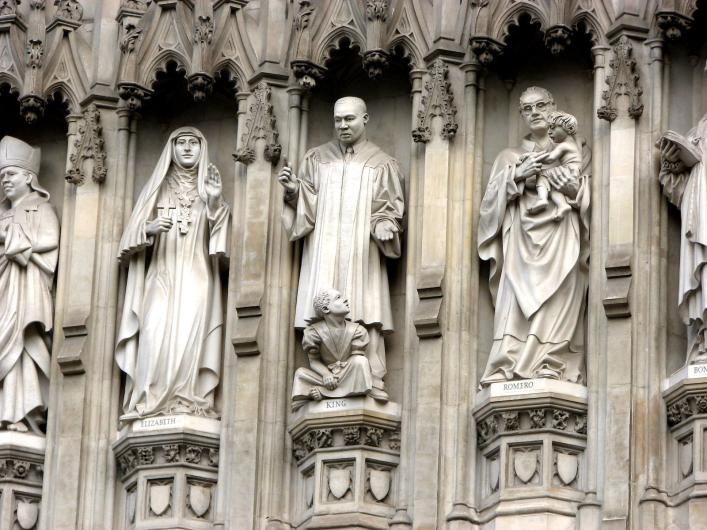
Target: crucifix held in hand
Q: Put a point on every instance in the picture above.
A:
(165, 210)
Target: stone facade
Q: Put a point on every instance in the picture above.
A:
(512, 364)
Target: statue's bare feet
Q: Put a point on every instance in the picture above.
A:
(379, 395)
(538, 206)
(17, 427)
(560, 212)
(315, 394)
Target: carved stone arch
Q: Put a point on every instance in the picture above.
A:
(233, 71)
(159, 65)
(334, 40)
(593, 26)
(410, 49)
(13, 84)
(505, 18)
(66, 93)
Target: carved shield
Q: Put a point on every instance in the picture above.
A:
(27, 514)
(199, 499)
(309, 490)
(159, 498)
(686, 457)
(525, 465)
(567, 468)
(380, 483)
(494, 473)
(339, 481)
(132, 499)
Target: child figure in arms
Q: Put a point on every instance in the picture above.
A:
(566, 153)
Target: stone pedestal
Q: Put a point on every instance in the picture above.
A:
(685, 394)
(168, 466)
(347, 452)
(532, 438)
(21, 474)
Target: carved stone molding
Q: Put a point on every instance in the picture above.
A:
(438, 100)
(21, 477)
(200, 83)
(624, 80)
(375, 58)
(89, 144)
(527, 420)
(305, 71)
(261, 124)
(673, 25)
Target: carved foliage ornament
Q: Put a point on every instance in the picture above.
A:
(437, 101)
(69, 10)
(377, 10)
(8, 7)
(261, 124)
(88, 144)
(135, 5)
(623, 80)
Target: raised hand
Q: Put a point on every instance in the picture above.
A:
(213, 186)
(385, 231)
(287, 178)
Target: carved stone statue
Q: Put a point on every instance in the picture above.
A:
(336, 348)
(169, 339)
(538, 256)
(347, 203)
(29, 241)
(683, 174)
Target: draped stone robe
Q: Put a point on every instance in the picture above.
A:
(688, 191)
(343, 352)
(340, 200)
(538, 275)
(26, 308)
(170, 335)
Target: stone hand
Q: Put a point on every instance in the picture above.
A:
(330, 381)
(212, 186)
(287, 178)
(529, 166)
(157, 225)
(671, 152)
(563, 181)
(385, 231)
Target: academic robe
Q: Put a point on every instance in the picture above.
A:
(538, 275)
(339, 201)
(26, 308)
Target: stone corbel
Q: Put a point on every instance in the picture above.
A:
(304, 69)
(558, 38)
(437, 104)
(200, 83)
(485, 49)
(675, 17)
(32, 102)
(257, 154)
(624, 80)
(89, 145)
(375, 58)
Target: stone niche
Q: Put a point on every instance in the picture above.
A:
(532, 436)
(347, 452)
(168, 466)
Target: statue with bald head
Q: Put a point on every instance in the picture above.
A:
(346, 203)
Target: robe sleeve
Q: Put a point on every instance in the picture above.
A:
(359, 341)
(500, 191)
(300, 210)
(45, 246)
(388, 204)
(135, 239)
(673, 184)
(18, 247)
(218, 230)
(311, 343)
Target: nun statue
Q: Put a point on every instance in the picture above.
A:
(170, 332)
(29, 241)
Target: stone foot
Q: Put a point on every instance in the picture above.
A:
(379, 395)
(538, 206)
